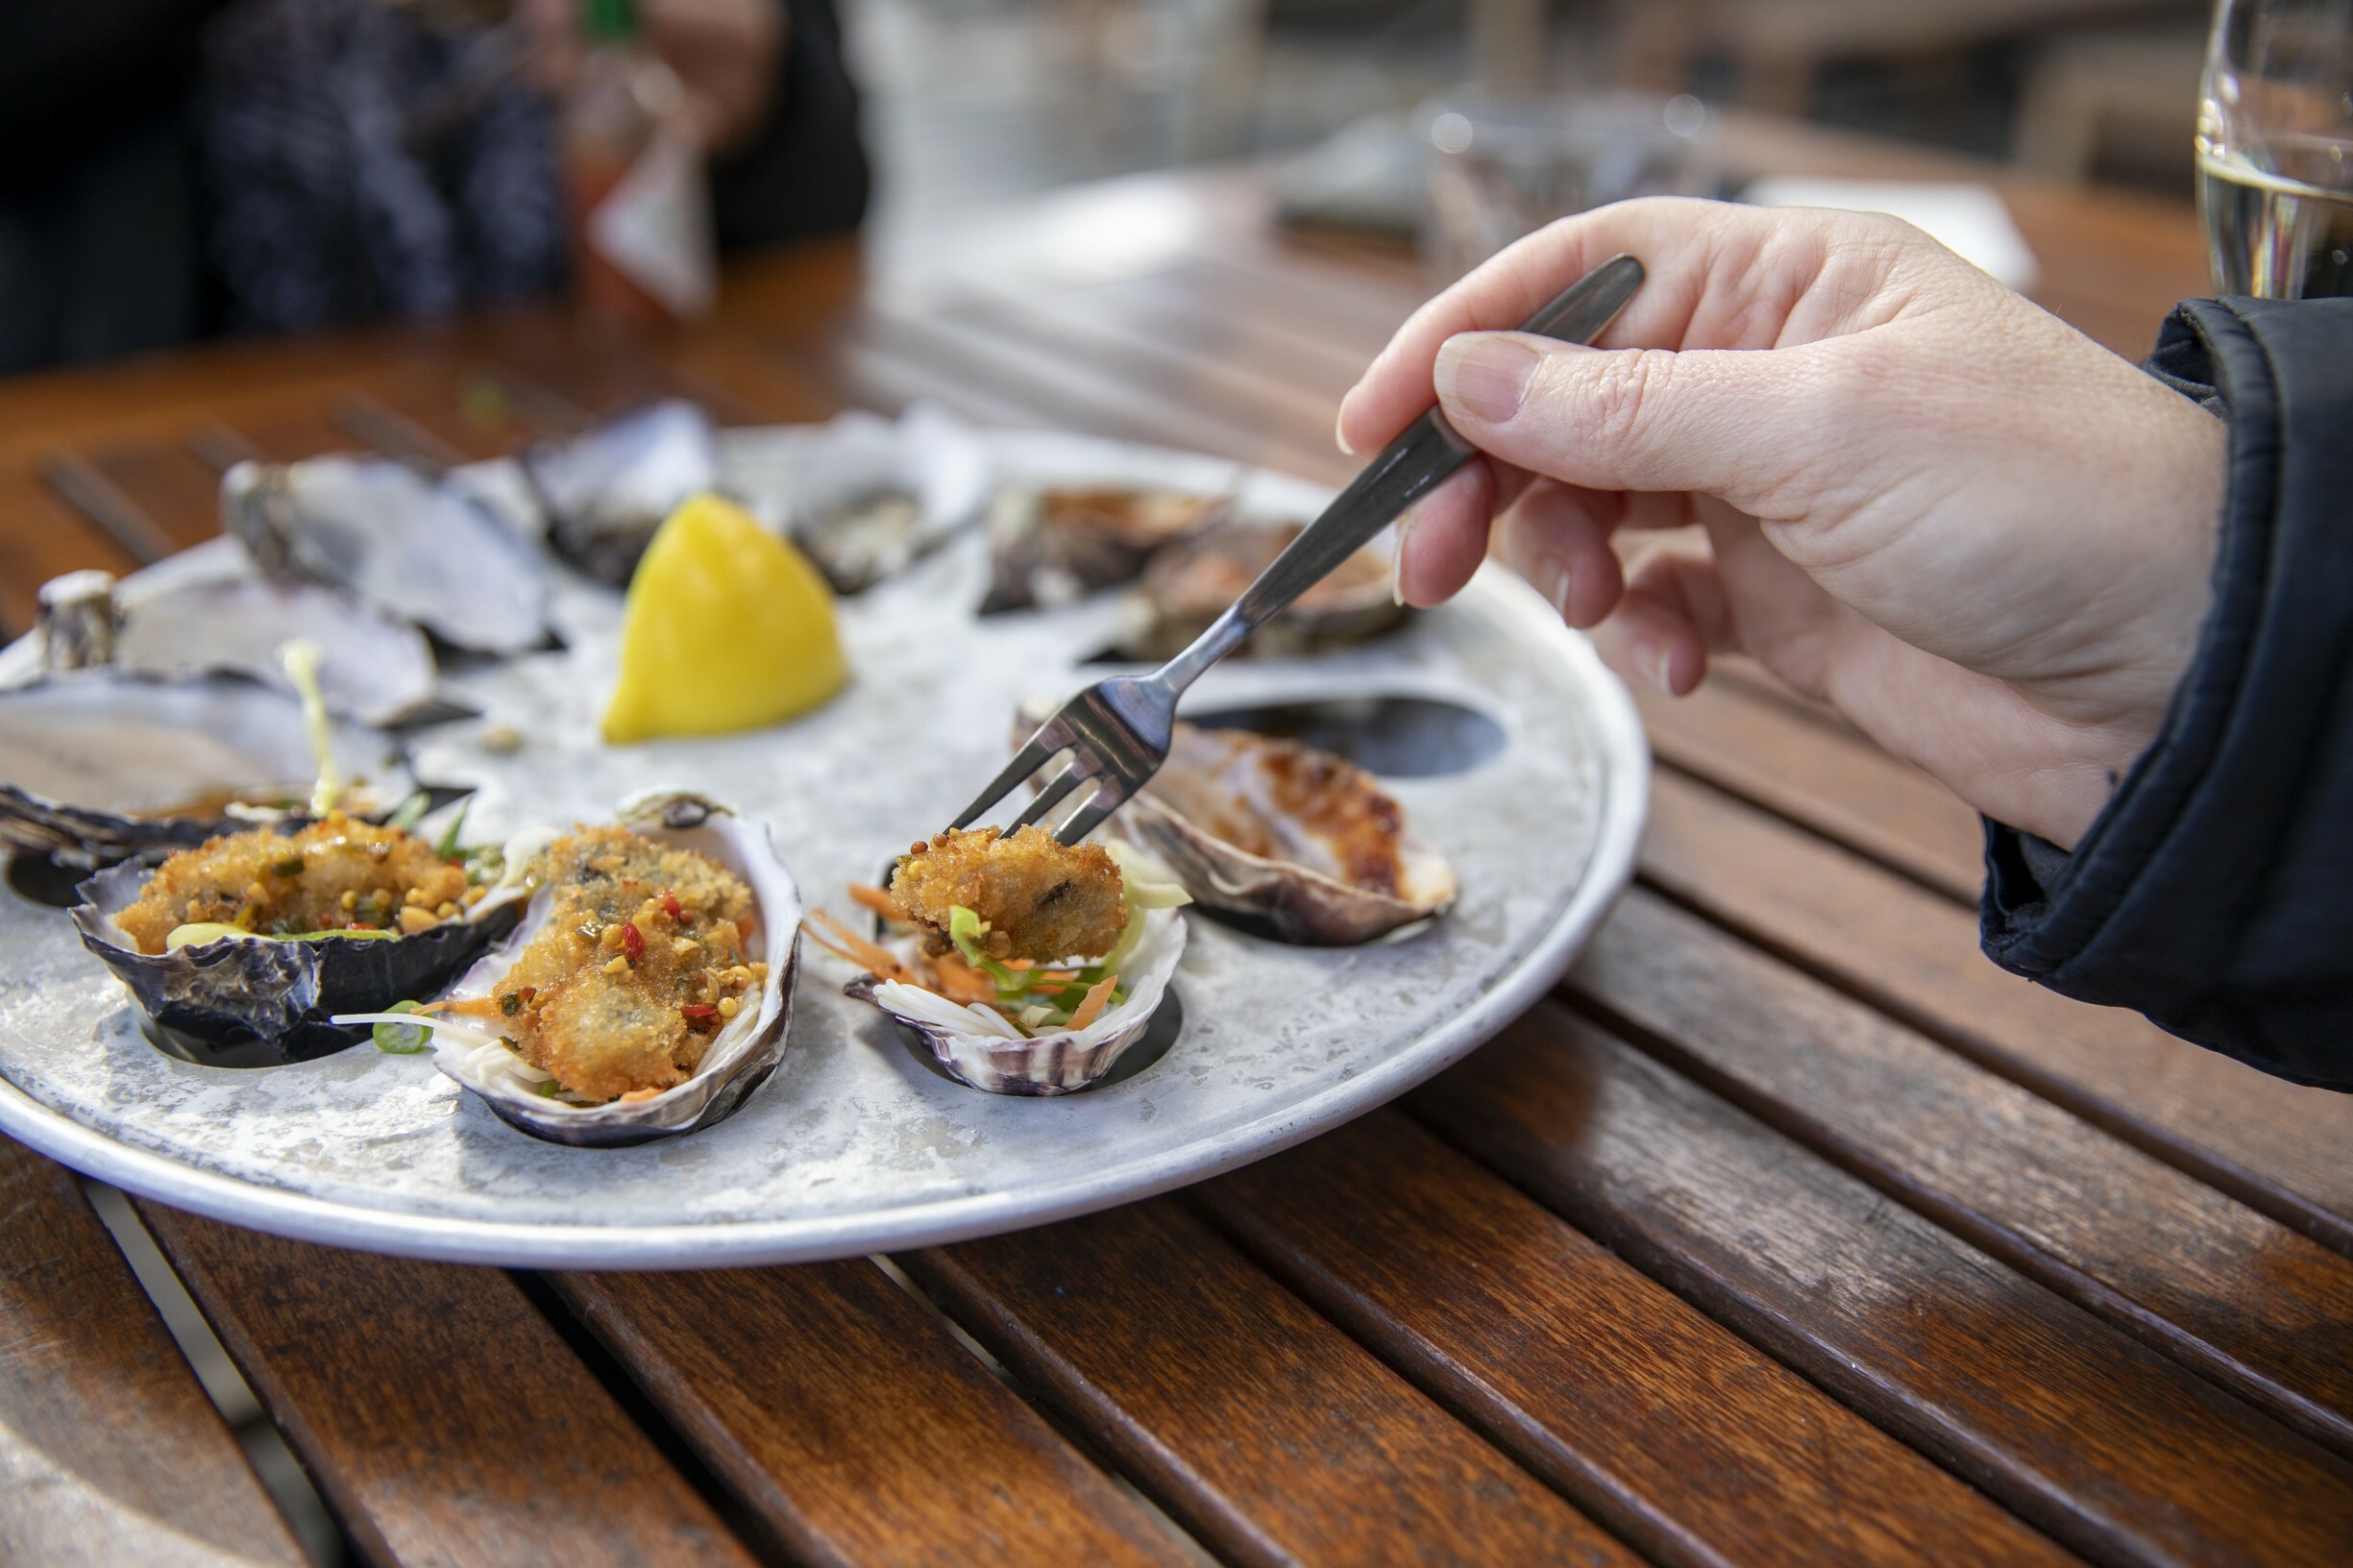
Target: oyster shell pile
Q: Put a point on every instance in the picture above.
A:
(102, 765)
(1190, 581)
(1054, 546)
(1285, 838)
(608, 489)
(423, 548)
(737, 1060)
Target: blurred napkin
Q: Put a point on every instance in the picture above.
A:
(1970, 220)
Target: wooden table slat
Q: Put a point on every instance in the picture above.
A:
(441, 1416)
(1824, 778)
(855, 1426)
(110, 1452)
(2273, 1145)
(2150, 1248)
(1689, 1442)
(1268, 1434)
(2114, 1450)
(45, 538)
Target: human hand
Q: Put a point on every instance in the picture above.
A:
(1981, 537)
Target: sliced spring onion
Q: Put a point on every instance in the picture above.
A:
(447, 848)
(409, 812)
(301, 657)
(401, 1039)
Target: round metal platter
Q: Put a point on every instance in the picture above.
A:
(854, 1145)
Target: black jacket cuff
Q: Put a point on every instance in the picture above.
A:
(2214, 893)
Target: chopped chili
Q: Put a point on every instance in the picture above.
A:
(669, 902)
(633, 942)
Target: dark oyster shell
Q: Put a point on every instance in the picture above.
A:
(280, 993)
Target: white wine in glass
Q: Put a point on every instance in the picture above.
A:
(2275, 148)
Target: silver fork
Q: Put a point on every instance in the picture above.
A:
(1117, 730)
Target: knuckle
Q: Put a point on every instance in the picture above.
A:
(1617, 408)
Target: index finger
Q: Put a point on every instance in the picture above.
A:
(1721, 276)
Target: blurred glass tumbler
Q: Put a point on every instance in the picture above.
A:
(2275, 148)
(1501, 168)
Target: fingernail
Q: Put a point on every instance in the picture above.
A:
(1484, 376)
(1554, 584)
(1339, 430)
(1661, 666)
(1397, 560)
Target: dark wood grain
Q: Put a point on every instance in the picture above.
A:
(1263, 1430)
(110, 1452)
(170, 484)
(1822, 777)
(2108, 1446)
(2274, 1144)
(1683, 1438)
(843, 1414)
(439, 1414)
(2258, 1309)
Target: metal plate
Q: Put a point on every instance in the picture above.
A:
(853, 1146)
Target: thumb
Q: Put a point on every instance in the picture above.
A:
(1740, 424)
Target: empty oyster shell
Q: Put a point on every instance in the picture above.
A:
(427, 551)
(980, 1048)
(739, 1057)
(1191, 582)
(101, 766)
(204, 610)
(1285, 838)
(281, 992)
(863, 497)
(1051, 548)
(608, 489)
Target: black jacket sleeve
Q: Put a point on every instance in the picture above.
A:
(2214, 893)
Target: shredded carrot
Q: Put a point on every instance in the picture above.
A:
(475, 1007)
(960, 982)
(1020, 962)
(1091, 1007)
(875, 899)
(857, 949)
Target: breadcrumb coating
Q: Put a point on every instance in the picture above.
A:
(1043, 901)
(640, 965)
(335, 874)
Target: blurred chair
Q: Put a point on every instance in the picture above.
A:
(2114, 105)
(1779, 48)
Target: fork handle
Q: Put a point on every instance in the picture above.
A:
(1408, 469)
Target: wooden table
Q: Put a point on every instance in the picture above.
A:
(1787, 1230)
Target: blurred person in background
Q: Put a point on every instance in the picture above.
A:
(177, 168)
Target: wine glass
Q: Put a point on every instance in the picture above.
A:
(2275, 148)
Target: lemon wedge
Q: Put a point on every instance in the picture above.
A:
(727, 629)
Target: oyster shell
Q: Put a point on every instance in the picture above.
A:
(78, 621)
(1285, 838)
(980, 1048)
(1051, 548)
(740, 1056)
(100, 766)
(205, 611)
(1191, 582)
(280, 993)
(608, 489)
(863, 496)
(427, 551)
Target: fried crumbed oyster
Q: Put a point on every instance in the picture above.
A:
(336, 875)
(1043, 901)
(641, 963)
